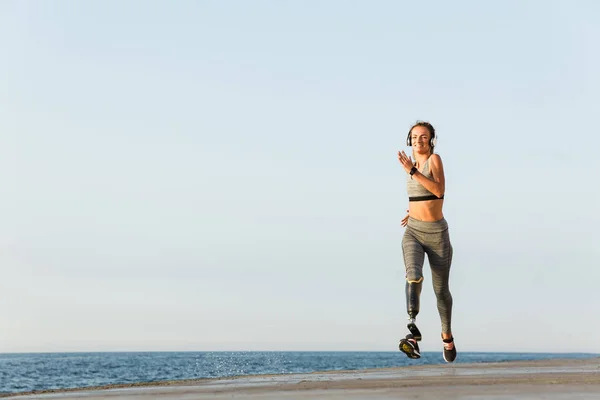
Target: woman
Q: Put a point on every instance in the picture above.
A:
(426, 233)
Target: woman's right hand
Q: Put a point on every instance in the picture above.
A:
(404, 221)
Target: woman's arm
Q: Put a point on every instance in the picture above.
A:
(436, 185)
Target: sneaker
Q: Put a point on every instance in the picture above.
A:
(449, 350)
(410, 347)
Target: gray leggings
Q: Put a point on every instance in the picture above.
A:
(433, 239)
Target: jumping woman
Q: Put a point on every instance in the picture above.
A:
(426, 233)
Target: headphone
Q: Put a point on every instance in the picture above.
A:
(432, 140)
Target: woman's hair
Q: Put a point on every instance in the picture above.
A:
(429, 127)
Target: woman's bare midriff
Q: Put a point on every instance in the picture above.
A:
(428, 210)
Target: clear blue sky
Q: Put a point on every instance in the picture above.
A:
(209, 175)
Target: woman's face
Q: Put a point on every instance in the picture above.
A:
(420, 140)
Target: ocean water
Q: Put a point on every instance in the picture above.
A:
(29, 372)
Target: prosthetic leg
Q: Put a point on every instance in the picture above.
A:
(413, 294)
(409, 345)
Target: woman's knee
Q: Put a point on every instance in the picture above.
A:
(414, 274)
(443, 293)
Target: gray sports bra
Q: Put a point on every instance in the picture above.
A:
(416, 191)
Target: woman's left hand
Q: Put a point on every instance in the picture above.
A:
(404, 221)
(405, 160)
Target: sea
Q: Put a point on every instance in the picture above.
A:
(43, 371)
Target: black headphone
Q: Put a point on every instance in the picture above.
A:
(432, 139)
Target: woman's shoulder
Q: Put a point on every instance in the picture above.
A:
(435, 157)
(435, 162)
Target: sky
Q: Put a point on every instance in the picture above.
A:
(208, 175)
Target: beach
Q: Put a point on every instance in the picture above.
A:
(545, 379)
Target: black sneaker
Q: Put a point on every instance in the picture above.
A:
(410, 347)
(449, 354)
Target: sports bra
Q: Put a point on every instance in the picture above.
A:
(416, 191)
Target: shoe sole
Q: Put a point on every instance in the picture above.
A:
(408, 349)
